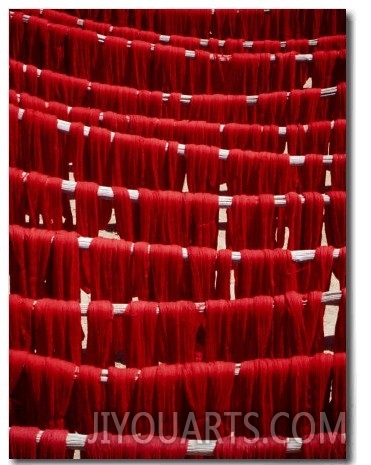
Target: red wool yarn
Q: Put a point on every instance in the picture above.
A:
(195, 376)
(271, 108)
(217, 326)
(339, 267)
(175, 345)
(261, 319)
(241, 136)
(22, 442)
(249, 274)
(53, 204)
(218, 108)
(75, 145)
(300, 398)
(223, 274)
(96, 165)
(221, 377)
(312, 174)
(99, 347)
(276, 268)
(324, 68)
(40, 135)
(138, 162)
(60, 110)
(20, 322)
(64, 282)
(335, 219)
(166, 272)
(106, 446)
(264, 394)
(150, 103)
(246, 216)
(324, 446)
(339, 389)
(312, 220)
(140, 56)
(254, 173)
(338, 137)
(296, 139)
(87, 116)
(82, 50)
(204, 219)
(303, 105)
(281, 271)
(89, 397)
(293, 217)
(169, 400)
(22, 81)
(87, 212)
(200, 71)
(169, 69)
(110, 269)
(164, 217)
(288, 314)
(156, 449)
(322, 267)
(57, 330)
(145, 399)
(29, 259)
(203, 168)
(17, 197)
(247, 74)
(53, 445)
(320, 375)
(313, 314)
(140, 271)
(338, 172)
(50, 382)
(119, 99)
(286, 67)
(316, 274)
(201, 273)
(109, 446)
(340, 328)
(120, 392)
(35, 188)
(318, 137)
(63, 88)
(140, 320)
(17, 386)
(97, 157)
(15, 158)
(124, 214)
(333, 42)
(115, 69)
(272, 141)
(242, 448)
(16, 32)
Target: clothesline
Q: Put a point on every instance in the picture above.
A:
(295, 160)
(281, 130)
(253, 99)
(301, 57)
(203, 42)
(106, 193)
(328, 297)
(225, 201)
(76, 441)
(105, 372)
(297, 255)
(250, 99)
